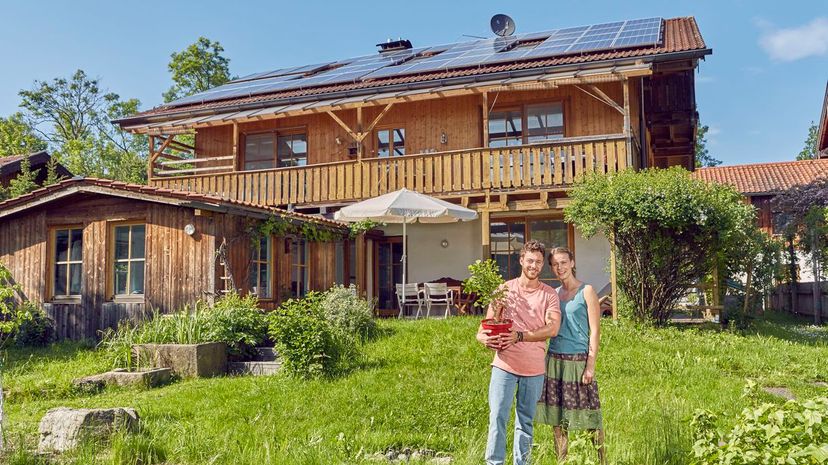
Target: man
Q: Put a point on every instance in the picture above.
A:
(518, 367)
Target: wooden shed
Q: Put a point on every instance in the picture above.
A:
(95, 252)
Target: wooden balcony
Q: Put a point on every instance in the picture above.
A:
(524, 168)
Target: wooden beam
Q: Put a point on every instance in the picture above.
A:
(485, 97)
(627, 130)
(370, 127)
(350, 132)
(360, 147)
(236, 161)
(486, 251)
(152, 156)
(599, 95)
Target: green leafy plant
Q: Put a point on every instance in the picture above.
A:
(238, 322)
(350, 313)
(37, 329)
(668, 230)
(361, 227)
(764, 434)
(486, 282)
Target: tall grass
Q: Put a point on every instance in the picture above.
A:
(187, 326)
(423, 385)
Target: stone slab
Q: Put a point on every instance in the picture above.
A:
(185, 360)
(253, 368)
(151, 377)
(63, 428)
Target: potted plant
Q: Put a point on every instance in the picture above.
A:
(486, 282)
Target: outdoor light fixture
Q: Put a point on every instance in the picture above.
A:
(443, 137)
(189, 229)
(444, 243)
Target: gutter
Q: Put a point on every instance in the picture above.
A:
(698, 53)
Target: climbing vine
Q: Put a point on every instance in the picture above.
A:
(278, 226)
(361, 227)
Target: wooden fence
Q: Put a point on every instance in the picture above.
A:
(804, 299)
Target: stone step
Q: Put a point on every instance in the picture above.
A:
(253, 368)
(265, 354)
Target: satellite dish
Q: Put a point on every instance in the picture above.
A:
(503, 25)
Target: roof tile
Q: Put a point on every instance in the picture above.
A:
(765, 178)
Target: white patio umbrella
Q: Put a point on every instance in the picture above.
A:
(405, 206)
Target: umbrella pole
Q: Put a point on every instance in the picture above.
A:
(404, 263)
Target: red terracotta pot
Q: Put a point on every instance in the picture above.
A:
(504, 326)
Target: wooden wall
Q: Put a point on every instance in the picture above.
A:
(179, 268)
(425, 121)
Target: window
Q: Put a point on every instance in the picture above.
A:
(544, 122)
(299, 267)
(260, 269)
(391, 142)
(67, 262)
(258, 152)
(505, 128)
(292, 150)
(345, 259)
(129, 260)
(526, 125)
(507, 237)
(275, 150)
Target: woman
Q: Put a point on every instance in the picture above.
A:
(570, 394)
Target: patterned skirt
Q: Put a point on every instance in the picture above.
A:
(565, 401)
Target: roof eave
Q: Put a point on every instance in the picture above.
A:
(656, 58)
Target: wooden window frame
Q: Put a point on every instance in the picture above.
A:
(270, 263)
(52, 263)
(110, 265)
(525, 219)
(275, 133)
(390, 128)
(523, 108)
(305, 267)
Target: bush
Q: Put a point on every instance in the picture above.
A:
(36, 331)
(238, 322)
(308, 342)
(350, 313)
(795, 432)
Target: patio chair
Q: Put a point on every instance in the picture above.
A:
(440, 294)
(413, 297)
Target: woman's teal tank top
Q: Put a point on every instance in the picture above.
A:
(573, 337)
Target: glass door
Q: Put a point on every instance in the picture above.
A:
(388, 273)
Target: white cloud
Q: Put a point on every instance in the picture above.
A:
(714, 131)
(795, 43)
(705, 79)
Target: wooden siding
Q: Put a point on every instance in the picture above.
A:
(178, 271)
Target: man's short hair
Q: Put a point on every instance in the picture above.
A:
(533, 246)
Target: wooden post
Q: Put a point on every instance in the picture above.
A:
(613, 280)
(151, 157)
(359, 132)
(627, 130)
(816, 291)
(485, 120)
(361, 262)
(485, 235)
(236, 166)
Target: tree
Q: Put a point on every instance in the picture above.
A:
(74, 115)
(805, 208)
(197, 68)
(703, 157)
(666, 227)
(809, 152)
(25, 181)
(17, 137)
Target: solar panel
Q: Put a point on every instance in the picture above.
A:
(572, 40)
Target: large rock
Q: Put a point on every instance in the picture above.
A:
(185, 360)
(151, 377)
(64, 428)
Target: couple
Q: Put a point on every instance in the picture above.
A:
(558, 380)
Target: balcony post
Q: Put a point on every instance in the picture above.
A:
(485, 235)
(627, 130)
(359, 131)
(485, 120)
(151, 158)
(236, 166)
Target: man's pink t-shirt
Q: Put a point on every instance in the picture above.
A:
(528, 309)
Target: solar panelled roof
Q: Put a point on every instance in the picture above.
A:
(520, 47)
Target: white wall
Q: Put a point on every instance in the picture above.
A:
(428, 260)
(592, 260)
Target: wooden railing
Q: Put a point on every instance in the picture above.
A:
(527, 167)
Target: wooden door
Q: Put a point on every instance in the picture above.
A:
(387, 273)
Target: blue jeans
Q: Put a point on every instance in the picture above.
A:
(501, 396)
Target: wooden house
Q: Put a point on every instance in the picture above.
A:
(10, 167)
(95, 252)
(822, 134)
(501, 125)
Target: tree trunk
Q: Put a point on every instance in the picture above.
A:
(748, 290)
(2, 443)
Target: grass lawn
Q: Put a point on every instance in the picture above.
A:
(423, 384)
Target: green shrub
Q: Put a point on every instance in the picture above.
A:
(310, 345)
(350, 313)
(795, 433)
(486, 283)
(36, 331)
(238, 322)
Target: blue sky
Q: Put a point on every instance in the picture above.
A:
(758, 92)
